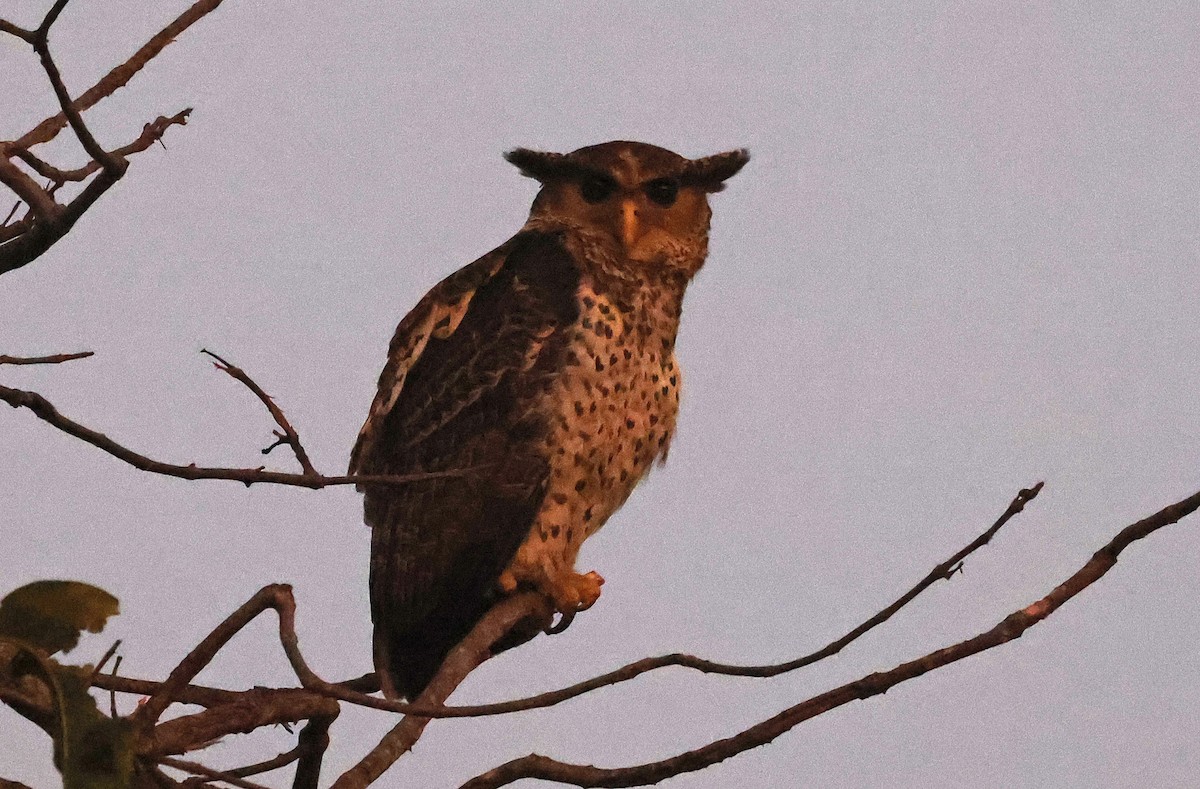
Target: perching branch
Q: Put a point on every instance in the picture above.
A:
(943, 571)
(351, 693)
(523, 610)
(1011, 627)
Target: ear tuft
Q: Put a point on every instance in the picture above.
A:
(710, 172)
(542, 165)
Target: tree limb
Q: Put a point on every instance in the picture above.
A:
(1011, 627)
(46, 222)
(118, 77)
(45, 410)
(355, 692)
(510, 613)
(151, 133)
(57, 358)
(113, 165)
(195, 768)
(249, 710)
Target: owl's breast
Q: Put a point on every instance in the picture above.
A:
(613, 409)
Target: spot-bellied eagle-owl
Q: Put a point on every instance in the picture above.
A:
(546, 369)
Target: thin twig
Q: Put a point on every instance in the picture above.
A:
(103, 660)
(290, 436)
(151, 133)
(1011, 627)
(274, 763)
(57, 358)
(114, 165)
(45, 410)
(119, 76)
(196, 768)
(112, 694)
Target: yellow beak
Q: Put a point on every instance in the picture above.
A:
(629, 223)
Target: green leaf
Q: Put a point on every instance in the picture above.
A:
(92, 751)
(51, 614)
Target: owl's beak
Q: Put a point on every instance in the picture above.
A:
(629, 223)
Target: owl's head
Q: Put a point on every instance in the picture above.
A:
(652, 203)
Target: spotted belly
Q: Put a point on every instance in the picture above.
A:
(614, 407)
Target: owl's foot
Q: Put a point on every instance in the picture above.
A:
(575, 592)
(572, 593)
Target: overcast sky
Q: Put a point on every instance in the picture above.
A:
(963, 259)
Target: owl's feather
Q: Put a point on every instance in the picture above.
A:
(461, 397)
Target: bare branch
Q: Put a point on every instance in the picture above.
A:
(46, 411)
(119, 76)
(47, 222)
(114, 165)
(274, 763)
(1011, 627)
(50, 18)
(314, 740)
(199, 695)
(355, 691)
(290, 436)
(57, 358)
(275, 596)
(40, 204)
(637, 668)
(196, 768)
(249, 710)
(36, 237)
(522, 610)
(151, 133)
(14, 30)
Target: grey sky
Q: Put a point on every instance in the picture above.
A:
(963, 259)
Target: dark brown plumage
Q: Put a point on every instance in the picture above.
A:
(545, 371)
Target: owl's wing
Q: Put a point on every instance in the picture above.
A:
(459, 393)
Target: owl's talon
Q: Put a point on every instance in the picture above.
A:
(563, 623)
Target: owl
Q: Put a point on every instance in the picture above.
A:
(541, 383)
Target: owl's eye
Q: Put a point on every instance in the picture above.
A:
(597, 189)
(663, 191)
